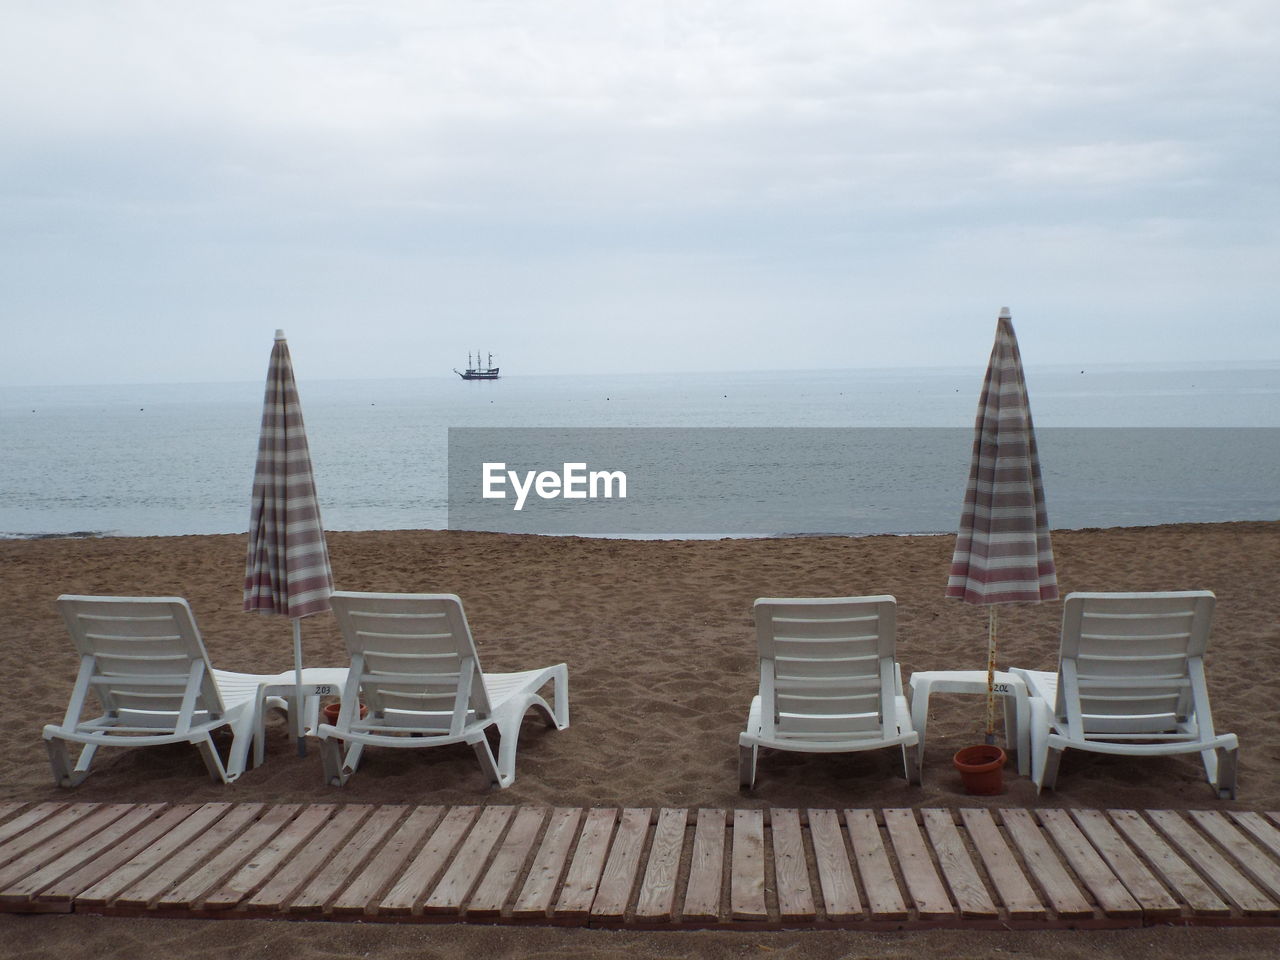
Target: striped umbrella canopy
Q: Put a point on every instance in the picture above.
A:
(287, 565)
(1003, 552)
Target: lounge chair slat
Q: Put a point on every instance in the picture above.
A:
(746, 883)
(316, 855)
(835, 874)
(657, 898)
(883, 896)
(492, 893)
(967, 888)
(790, 866)
(548, 864)
(583, 878)
(1107, 890)
(1056, 884)
(360, 895)
(706, 867)
(1012, 886)
(1151, 895)
(414, 884)
(623, 866)
(450, 894)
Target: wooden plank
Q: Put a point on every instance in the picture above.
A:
(451, 892)
(1107, 890)
(154, 871)
(925, 887)
(1168, 866)
(210, 875)
(21, 825)
(1155, 901)
(348, 863)
(657, 899)
(1259, 867)
(1263, 832)
(8, 808)
(109, 864)
(835, 874)
(45, 821)
(623, 866)
(706, 867)
(68, 839)
(78, 855)
(260, 867)
(1056, 884)
(412, 886)
(1215, 868)
(580, 884)
(883, 896)
(962, 877)
(1011, 884)
(746, 878)
(791, 867)
(316, 856)
(492, 893)
(548, 863)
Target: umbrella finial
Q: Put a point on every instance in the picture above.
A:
(279, 334)
(1005, 314)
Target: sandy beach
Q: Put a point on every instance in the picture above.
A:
(658, 639)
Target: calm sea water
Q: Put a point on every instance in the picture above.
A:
(179, 459)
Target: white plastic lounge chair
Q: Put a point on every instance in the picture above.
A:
(414, 666)
(1130, 682)
(829, 682)
(144, 661)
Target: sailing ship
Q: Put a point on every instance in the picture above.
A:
(477, 372)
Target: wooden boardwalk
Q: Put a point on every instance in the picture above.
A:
(643, 868)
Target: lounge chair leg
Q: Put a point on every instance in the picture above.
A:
(747, 757)
(913, 762)
(1049, 775)
(331, 760)
(59, 760)
(490, 767)
(1226, 780)
(212, 762)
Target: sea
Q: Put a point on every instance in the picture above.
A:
(1120, 445)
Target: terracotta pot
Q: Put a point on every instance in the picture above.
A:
(331, 712)
(981, 769)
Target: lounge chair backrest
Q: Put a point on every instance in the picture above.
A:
(414, 659)
(144, 660)
(827, 669)
(1132, 664)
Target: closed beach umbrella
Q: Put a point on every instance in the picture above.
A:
(1003, 553)
(287, 564)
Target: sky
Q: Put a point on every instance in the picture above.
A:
(692, 185)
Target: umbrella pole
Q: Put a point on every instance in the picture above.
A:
(991, 674)
(298, 699)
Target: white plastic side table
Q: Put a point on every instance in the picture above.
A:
(1010, 686)
(317, 682)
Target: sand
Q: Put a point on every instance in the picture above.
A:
(658, 639)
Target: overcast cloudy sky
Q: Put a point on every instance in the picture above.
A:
(688, 185)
